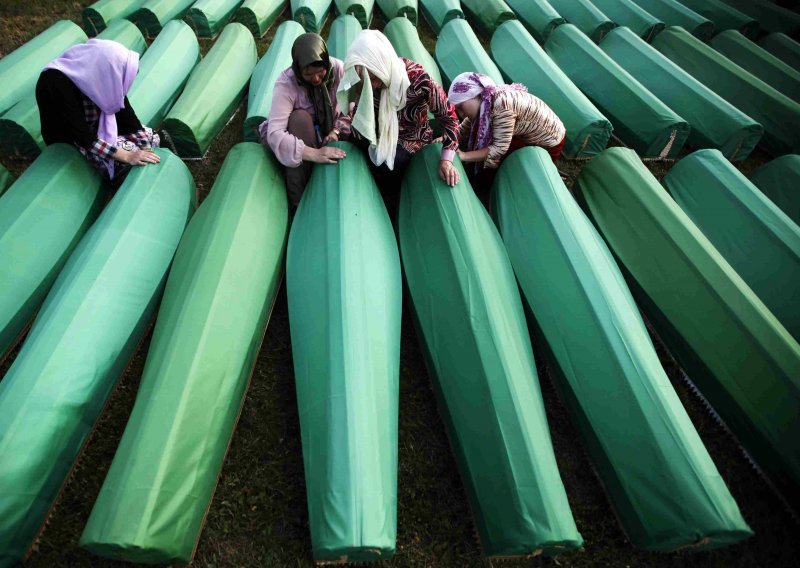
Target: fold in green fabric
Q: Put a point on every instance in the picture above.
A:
(628, 13)
(154, 14)
(783, 47)
(459, 50)
(311, 14)
(780, 181)
(360, 9)
(207, 17)
(88, 329)
(674, 13)
(438, 12)
(394, 8)
(100, 14)
(660, 480)
(404, 38)
(584, 15)
(472, 330)
(742, 360)
(344, 292)
(487, 14)
(538, 16)
(724, 16)
(259, 15)
(216, 305)
(344, 30)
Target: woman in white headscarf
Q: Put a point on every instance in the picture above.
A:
(391, 116)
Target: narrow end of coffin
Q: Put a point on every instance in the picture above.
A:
(181, 139)
(247, 17)
(16, 141)
(198, 20)
(351, 555)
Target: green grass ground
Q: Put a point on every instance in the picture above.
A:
(258, 516)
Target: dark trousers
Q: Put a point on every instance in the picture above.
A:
(388, 181)
(301, 125)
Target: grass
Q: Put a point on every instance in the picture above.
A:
(258, 516)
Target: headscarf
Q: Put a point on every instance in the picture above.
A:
(467, 86)
(372, 50)
(309, 49)
(104, 71)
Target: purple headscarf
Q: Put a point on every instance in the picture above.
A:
(104, 71)
(470, 85)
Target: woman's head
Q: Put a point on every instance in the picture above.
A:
(466, 93)
(310, 59)
(468, 108)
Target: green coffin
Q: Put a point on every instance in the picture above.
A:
(472, 330)
(758, 61)
(214, 90)
(344, 30)
(663, 486)
(438, 12)
(42, 218)
(459, 50)
(521, 60)
(585, 16)
(714, 121)
(344, 292)
(277, 59)
(394, 8)
(780, 181)
(404, 38)
(739, 356)
(21, 129)
(772, 18)
(163, 72)
(777, 113)
(724, 16)
(538, 16)
(486, 15)
(674, 13)
(19, 70)
(126, 33)
(757, 239)
(628, 13)
(640, 119)
(216, 305)
(86, 332)
(259, 15)
(311, 14)
(6, 179)
(154, 14)
(783, 47)
(97, 16)
(361, 10)
(207, 17)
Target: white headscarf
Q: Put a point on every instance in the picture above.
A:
(372, 50)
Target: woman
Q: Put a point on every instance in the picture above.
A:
(401, 95)
(498, 119)
(305, 115)
(81, 98)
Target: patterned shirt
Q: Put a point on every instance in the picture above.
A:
(519, 115)
(102, 149)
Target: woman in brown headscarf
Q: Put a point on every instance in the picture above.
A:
(305, 115)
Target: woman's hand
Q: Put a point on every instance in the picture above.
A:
(333, 136)
(137, 158)
(325, 155)
(449, 173)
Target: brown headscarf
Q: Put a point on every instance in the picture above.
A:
(309, 49)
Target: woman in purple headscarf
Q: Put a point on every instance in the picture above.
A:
(498, 119)
(81, 98)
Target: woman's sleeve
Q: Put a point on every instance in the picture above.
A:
(503, 122)
(341, 119)
(445, 113)
(287, 147)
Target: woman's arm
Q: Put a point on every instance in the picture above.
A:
(445, 113)
(474, 155)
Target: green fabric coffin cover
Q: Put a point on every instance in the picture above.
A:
(439, 12)
(86, 332)
(216, 304)
(361, 10)
(208, 16)
(472, 330)
(585, 16)
(759, 62)
(538, 16)
(344, 291)
(344, 30)
(674, 13)
(213, 91)
(757, 239)
(659, 477)
(640, 119)
(714, 121)
(725, 17)
(459, 50)
(783, 47)
(393, 8)
(99, 15)
(628, 13)
(311, 14)
(522, 60)
(780, 181)
(277, 59)
(772, 18)
(19, 70)
(259, 15)
(740, 357)
(42, 218)
(6, 179)
(405, 40)
(163, 72)
(126, 33)
(155, 14)
(486, 15)
(777, 113)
